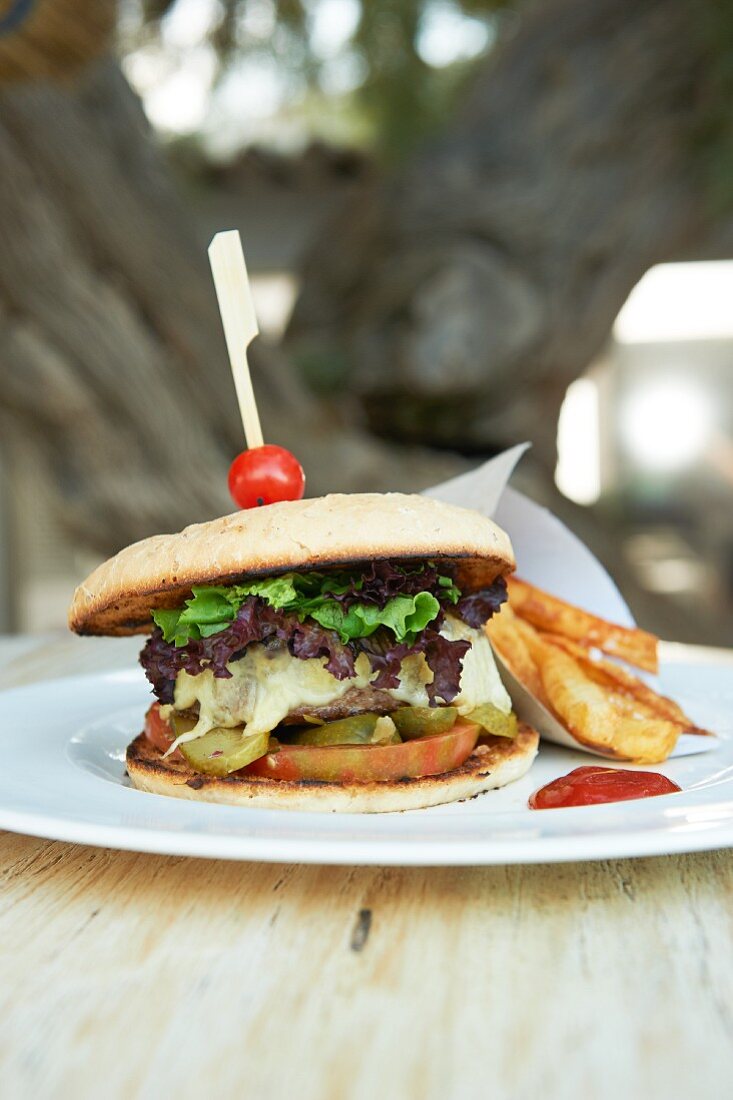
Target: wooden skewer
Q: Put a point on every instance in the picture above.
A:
(239, 321)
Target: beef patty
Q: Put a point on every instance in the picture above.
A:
(354, 701)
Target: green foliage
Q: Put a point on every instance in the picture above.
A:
(400, 96)
(399, 99)
(397, 90)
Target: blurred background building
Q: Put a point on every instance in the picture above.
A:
(469, 223)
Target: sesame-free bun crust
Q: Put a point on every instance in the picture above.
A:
(494, 763)
(336, 530)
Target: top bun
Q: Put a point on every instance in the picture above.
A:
(336, 530)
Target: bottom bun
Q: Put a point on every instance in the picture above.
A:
(493, 763)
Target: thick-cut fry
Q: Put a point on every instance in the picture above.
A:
(613, 675)
(506, 636)
(531, 638)
(612, 723)
(546, 644)
(557, 617)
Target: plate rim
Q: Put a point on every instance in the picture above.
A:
(371, 852)
(715, 832)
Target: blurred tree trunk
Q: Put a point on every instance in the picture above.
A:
(113, 361)
(468, 293)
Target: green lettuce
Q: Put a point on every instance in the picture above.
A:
(308, 595)
(209, 610)
(405, 616)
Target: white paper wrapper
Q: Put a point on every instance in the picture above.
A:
(552, 557)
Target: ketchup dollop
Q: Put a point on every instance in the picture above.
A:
(591, 785)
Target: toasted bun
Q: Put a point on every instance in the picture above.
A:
(494, 763)
(302, 534)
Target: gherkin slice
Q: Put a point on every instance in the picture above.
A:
(182, 723)
(494, 721)
(360, 729)
(222, 751)
(415, 722)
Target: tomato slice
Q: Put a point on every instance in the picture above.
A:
(431, 755)
(159, 733)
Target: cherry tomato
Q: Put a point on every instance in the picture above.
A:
(265, 475)
(158, 731)
(431, 755)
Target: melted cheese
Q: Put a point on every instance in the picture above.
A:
(480, 680)
(266, 685)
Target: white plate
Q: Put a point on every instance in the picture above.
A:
(62, 776)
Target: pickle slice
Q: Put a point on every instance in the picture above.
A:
(494, 721)
(221, 751)
(414, 722)
(360, 729)
(181, 723)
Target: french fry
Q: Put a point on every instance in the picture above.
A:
(605, 720)
(508, 639)
(553, 615)
(546, 645)
(624, 682)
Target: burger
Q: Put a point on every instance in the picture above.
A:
(325, 654)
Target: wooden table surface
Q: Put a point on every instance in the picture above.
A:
(128, 975)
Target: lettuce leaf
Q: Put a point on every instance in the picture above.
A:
(205, 613)
(279, 592)
(350, 606)
(479, 607)
(405, 616)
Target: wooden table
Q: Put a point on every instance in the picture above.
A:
(129, 975)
